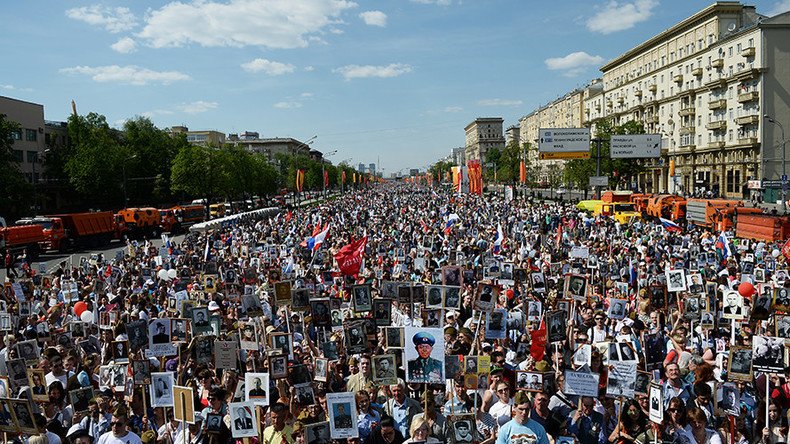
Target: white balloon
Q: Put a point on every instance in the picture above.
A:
(163, 275)
(172, 273)
(87, 317)
(775, 254)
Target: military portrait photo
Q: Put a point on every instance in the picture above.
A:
(342, 415)
(424, 355)
(384, 370)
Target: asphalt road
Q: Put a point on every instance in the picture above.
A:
(53, 259)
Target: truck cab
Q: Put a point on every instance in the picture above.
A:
(622, 212)
(56, 234)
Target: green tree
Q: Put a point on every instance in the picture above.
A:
(620, 171)
(151, 152)
(95, 167)
(16, 192)
(440, 169)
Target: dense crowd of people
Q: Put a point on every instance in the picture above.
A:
(404, 314)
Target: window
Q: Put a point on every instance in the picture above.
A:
(30, 135)
(729, 52)
(32, 156)
(18, 156)
(738, 48)
(16, 134)
(729, 181)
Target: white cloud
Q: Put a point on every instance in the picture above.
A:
(779, 8)
(129, 74)
(499, 102)
(306, 95)
(278, 24)
(197, 107)
(619, 16)
(269, 67)
(10, 87)
(287, 105)
(437, 2)
(155, 112)
(115, 20)
(453, 109)
(309, 68)
(574, 63)
(124, 45)
(374, 18)
(360, 72)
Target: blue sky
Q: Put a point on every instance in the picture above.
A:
(393, 81)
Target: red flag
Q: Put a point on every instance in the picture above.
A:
(343, 177)
(326, 179)
(349, 258)
(786, 249)
(538, 347)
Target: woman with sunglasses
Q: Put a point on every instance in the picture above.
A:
(633, 422)
(504, 404)
(675, 418)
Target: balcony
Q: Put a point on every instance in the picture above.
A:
(748, 52)
(748, 120)
(690, 147)
(717, 104)
(651, 119)
(719, 144)
(718, 63)
(686, 130)
(717, 125)
(620, 100)
(721, 82)
(686, 111)
(652, 88)
(678, 78)
(696, 72)
(597, 106)
(638, 93)
(747, 140)
(748, 97)
(609, 103)
(748, 74)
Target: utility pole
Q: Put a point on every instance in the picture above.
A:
(598, 143)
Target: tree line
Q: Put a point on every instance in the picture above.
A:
(103, 167)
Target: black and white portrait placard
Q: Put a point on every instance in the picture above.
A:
(342, 415)
(243, 420)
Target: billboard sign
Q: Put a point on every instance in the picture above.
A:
(635, 146)
(564, 143)
(599, 181)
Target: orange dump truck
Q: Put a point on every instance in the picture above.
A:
(141, 221)
(65, 231)
(640, 202)
(762, 227)
(22, 239)
(667, 206)
(179, 218)
(616, 196)
(715, 214)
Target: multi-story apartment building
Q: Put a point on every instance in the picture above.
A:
(36, 137)
(513, 134)
(564, 112)
(203, 137)
(705, 84)
(483, 134)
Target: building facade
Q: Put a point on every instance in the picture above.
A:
(704, 84)
(30, 141)
(203, 138)
(483, 134)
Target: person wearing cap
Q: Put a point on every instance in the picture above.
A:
(120, 433)
(521, 424)
(425, 368)
(79, 435)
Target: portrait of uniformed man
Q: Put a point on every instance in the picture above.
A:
(424, 368)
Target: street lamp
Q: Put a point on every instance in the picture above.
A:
(784, 170)
(123, 166)
(323, 170)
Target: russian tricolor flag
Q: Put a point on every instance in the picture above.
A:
(499, 238)
(723, 245)
(669, 225)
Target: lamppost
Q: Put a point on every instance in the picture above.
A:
(34, 180)
(123, 166)
(784, 168)
(323, 169)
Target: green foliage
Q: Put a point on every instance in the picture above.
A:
(578, 171)
(96, 163)
(16, 191)
(440, 169)
(506, 162)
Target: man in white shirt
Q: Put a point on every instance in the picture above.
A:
(58, 373)
(119, 432)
